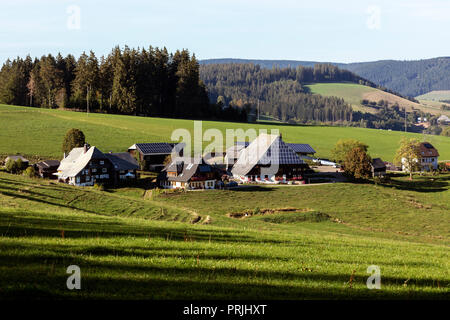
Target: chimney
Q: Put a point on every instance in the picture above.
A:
(86, 147)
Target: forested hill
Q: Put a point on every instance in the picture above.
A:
(149, 82)
(409, 78)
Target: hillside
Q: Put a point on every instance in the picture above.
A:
(39, 132)
(409, 78)
(354, 93)
(128, 250)
(435, 95)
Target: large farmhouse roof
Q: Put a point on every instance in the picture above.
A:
(77, 160)
(157, 147)
(301, 148)
(122, 161)
(427, 150)
(265, 150)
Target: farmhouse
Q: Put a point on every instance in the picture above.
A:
(47, 168)
(152, 155)
(25, 162)
(268, 159)
(85, 166)
(184, 173)
(429, 157)
(443, 119)
(378, 167)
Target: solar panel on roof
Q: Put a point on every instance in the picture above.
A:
(301, 147)
(158, 147)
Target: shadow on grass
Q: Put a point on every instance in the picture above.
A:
(429, 184)
(16, 226)
(251, 188)
(122, 281)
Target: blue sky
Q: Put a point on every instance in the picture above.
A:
(319, 30)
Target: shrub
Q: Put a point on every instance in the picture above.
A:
(99, 186)
(11, 166)
(30, 172)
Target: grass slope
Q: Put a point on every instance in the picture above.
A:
(39, 132)
(354, 93)
(125, 255)
(435, 95)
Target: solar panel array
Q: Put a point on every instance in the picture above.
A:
(157, 147)
(301, 148)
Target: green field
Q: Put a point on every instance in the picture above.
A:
(131, 248)
(137, 243)
(39, 133)
(353, 94)
(436, 95)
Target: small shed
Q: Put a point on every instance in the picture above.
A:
(378, 167)
(47, 168)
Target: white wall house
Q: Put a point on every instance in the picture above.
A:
(428, 160)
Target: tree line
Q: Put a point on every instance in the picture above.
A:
(147, 82)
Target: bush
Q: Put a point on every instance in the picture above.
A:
(99, 186)
(11, 166)
(30, 172)
(442, 167)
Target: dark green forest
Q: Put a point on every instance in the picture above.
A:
(146, 82)
(407, 78)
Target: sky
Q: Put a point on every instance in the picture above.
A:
(313, 30)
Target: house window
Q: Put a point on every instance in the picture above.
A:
(94, 170)
(102, 162)
(88, 178)
(104, 170)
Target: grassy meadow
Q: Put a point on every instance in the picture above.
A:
(435, 95)
(129, 247)
(39, 133)
(297, 242)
